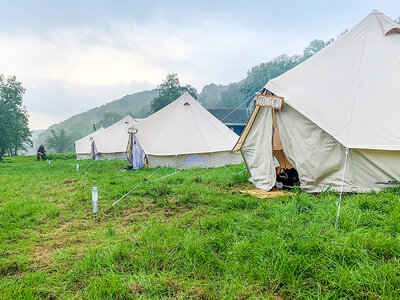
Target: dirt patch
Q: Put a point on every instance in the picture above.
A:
(69, 181)
(136, 288)
(77, 234)
(262, 194)
(42, 257)
(198, 293)
(64, 236)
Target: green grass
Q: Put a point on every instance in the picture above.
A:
(187, 236)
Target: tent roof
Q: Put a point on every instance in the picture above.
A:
(83, 145)
(184, 127)
(351, 88)
(113, 139)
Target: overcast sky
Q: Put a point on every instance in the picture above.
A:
(74, 55)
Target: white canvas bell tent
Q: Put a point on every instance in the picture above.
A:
(184, 134)
(109, 143)
(85, 144)
(339, 125)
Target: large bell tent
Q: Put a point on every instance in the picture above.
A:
(183, 135)
(339, 125)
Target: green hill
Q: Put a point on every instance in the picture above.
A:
(137, 105)
(211, 96)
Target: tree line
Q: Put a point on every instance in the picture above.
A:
(15, 134)
(230, 96)
(62, 141)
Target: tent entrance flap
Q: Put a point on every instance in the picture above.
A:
(256, 149)
(260, 161)
(94, 153)
(277, 148)
(286, 175)
(135, 152)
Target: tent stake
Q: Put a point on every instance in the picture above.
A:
(95, 198)
(341, 189)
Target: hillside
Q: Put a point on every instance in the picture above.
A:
(211, 96)
(82, 124)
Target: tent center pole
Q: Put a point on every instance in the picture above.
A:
(341, 188)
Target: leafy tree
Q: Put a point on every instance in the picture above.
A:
(59, 140)
(210, 96)
(232, 96)
(143, 112)
(314, 47)
(259, 75)
(15, 134)
(169, 91)
(109, 119)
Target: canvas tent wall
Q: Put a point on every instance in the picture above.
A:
(344, 97)
(184, 134)
(111, 142)
(83, 146)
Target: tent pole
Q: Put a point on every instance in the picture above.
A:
(341, 189)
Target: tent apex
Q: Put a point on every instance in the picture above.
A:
(375, 11)
(185, 95)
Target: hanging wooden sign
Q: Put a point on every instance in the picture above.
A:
(274, 102)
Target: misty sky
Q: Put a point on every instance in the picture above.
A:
(74, 55)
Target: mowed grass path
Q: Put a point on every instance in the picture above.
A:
(187, 236)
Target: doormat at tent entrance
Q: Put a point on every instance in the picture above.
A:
(262, 194)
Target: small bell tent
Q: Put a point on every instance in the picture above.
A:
(109, 143)
(183, 135)
(85, 145)
(339, 124)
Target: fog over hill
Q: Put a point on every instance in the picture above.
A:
(211, 96)
(80, 125)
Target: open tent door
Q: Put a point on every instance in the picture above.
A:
(286, 174)
(277, 149)
(94, 153)
(261, 148)
(135, 152)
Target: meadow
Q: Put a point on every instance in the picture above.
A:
(187, 236)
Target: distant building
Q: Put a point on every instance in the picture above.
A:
(235, 119)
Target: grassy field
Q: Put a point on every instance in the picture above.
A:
(187, 236)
